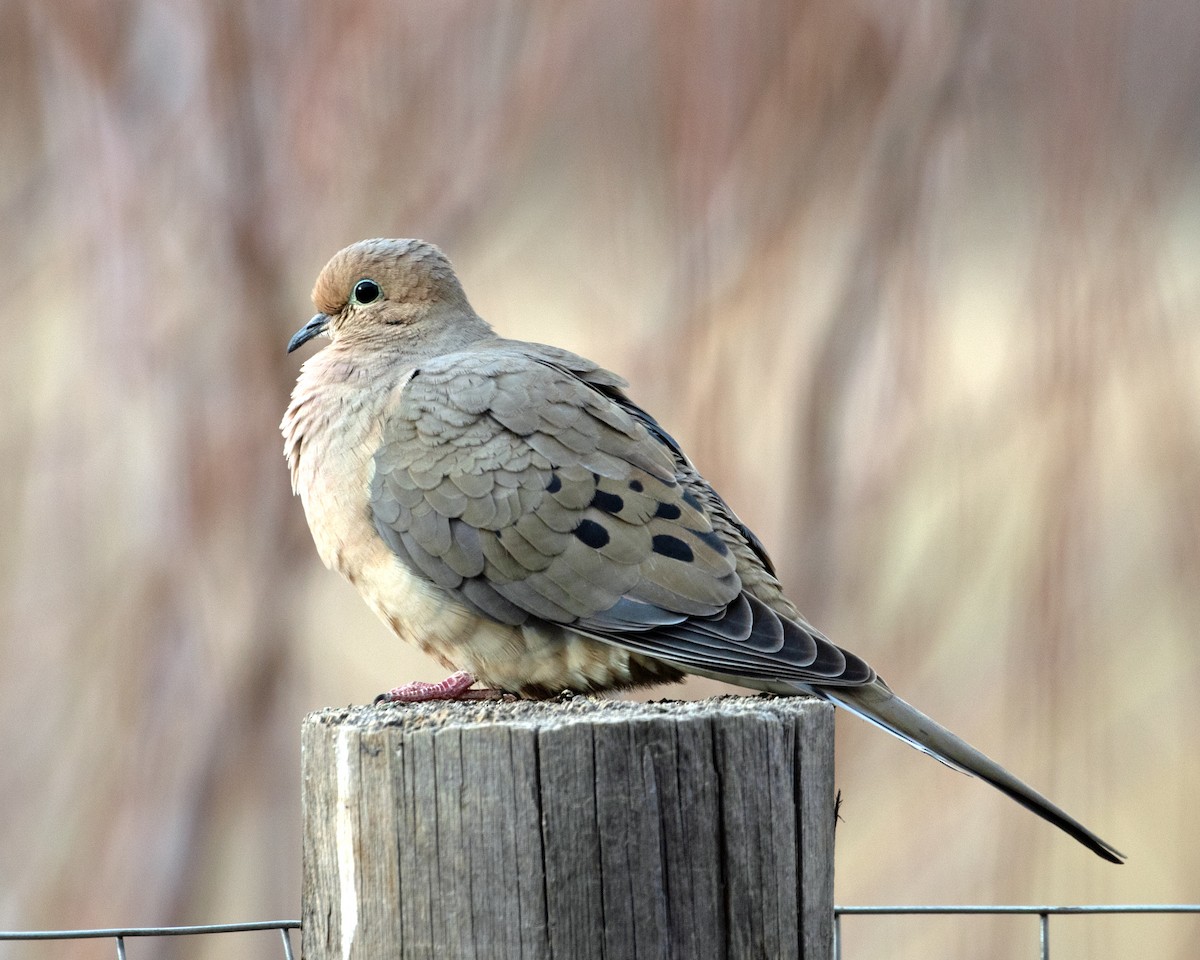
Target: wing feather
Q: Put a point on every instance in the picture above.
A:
(527, 486)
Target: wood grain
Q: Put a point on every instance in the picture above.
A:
(569, 830)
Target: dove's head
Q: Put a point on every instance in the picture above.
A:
(385, 291)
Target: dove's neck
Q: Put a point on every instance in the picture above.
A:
(413, 334)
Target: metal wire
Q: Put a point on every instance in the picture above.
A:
(120, 934)
(1043, 914)
(287, 941)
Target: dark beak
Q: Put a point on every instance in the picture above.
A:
(314, 326)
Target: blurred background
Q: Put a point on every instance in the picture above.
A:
(917, 285)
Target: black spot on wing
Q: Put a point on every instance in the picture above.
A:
(668, 511)
(667, 546)
(712, 539)
(592, 534)
(690, 499)
(555, 483)
(608, 502)
(636, 486)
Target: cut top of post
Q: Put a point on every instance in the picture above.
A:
(560, 711)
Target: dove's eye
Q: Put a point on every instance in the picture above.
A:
(366, 291)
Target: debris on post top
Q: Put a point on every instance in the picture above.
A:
(570, 828)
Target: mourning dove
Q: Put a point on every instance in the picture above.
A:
(505, 507)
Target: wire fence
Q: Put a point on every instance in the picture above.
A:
(121, 934)
(284, 927)
(1043, 913)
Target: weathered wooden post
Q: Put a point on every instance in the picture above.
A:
(569, 830)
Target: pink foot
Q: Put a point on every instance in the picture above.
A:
(455, 687)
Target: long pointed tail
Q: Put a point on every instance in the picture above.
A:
(876, 703)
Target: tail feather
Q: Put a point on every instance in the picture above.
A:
(876, 703)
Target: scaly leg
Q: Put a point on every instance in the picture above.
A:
(455, 687)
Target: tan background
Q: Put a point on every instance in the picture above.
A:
(918, 285)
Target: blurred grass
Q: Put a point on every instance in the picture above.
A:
(917, 286)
